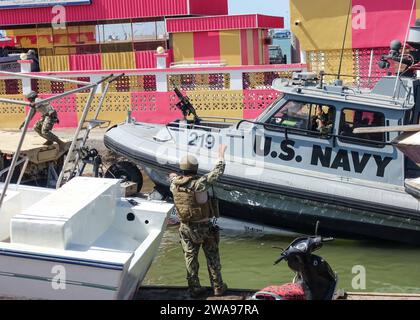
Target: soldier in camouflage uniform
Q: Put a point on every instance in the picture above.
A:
(195, 210)
(48, 119)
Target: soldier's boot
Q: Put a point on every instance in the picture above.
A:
(197, 292)
(61, 143)
(195, 289)
(216, 280)
(53, 138)
(220, 290)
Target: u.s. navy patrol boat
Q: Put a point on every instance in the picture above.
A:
(300, 162)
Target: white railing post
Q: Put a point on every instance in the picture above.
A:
(303, 57)
(161, 60)
(25, 67)
(236, 80)
(162, 82)
(95, 79)
(161, 77)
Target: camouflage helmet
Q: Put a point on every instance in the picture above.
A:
(189, 163)
(31, 95)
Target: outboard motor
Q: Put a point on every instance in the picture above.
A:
(315, 280)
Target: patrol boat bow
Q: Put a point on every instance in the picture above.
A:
(299, 162)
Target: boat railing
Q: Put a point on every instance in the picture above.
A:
(25, 162)
(191, 126)
(209, 126)
(82, 86)
(354, 97)
(328, 136)
(225, 119)
(361, 94)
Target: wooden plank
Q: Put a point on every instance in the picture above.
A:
(408, 128)
(33, 146)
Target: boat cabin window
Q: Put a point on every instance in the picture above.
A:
(352, 119)
(305, 118)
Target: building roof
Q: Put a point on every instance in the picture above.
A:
(215, 23)
(112, 10)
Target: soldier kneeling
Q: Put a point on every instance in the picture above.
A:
(48, 119)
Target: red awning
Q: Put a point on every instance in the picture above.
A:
(215, 23)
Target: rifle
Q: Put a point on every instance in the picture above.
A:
(185, 106)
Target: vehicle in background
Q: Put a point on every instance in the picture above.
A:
(276, 55)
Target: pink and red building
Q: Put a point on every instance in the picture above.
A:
(320, 27)
(221, 61)
(109, 34)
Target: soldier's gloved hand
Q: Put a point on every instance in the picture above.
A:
(172, 176)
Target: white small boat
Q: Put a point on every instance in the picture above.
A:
(83, 241)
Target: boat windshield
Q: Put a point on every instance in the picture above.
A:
(275, 105)
(304, 116)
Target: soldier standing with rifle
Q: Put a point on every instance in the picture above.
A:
(48, 119)
(195, 210)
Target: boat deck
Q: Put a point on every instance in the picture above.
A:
(181, 293)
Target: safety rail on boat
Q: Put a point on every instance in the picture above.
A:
(327, 136)
(319, 93)
(361, 96)
(221, 118)
(32, 109)
(391, 99)
(25, 162)
(191, 125)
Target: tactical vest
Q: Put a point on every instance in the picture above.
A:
(46, 109)
(186, 204)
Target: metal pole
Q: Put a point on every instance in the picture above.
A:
(56, 97)
(403, 50)
(62, 95)
(101, 102)
(22, 173)
(79, 128)
(30, 76)
(344, 40)
(370, 67)
(98, 111)
(18, 102)
(16, 155)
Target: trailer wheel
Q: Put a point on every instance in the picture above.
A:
(126, 171)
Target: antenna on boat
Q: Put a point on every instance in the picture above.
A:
(403, 50)
(344, 40)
